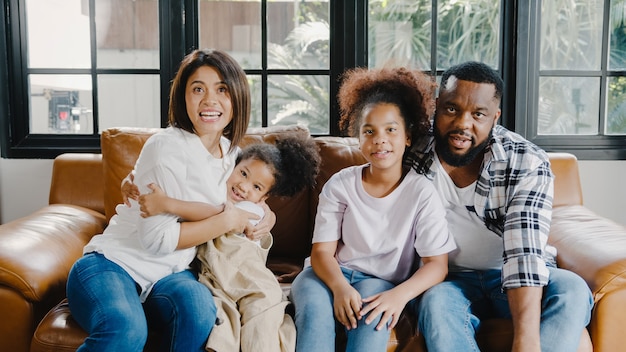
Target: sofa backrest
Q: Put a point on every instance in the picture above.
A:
(567, 188)
(295, 216)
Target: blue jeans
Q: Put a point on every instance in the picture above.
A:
(104, 300)
(450, 313)
(315, 320)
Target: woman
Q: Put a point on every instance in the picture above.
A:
(135, 276)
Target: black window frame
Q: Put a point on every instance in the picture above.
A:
(585, 147)
(348, 49)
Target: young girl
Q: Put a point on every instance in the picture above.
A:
(374, 222)
(249, 299)
(136, 274)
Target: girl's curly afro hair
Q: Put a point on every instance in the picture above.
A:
(412, 91)
(294, 160)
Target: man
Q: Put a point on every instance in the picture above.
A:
(497, 188)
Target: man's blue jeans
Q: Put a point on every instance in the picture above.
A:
(315, 319)
(449, 314)
(104, 300)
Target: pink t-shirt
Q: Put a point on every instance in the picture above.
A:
(384, 237)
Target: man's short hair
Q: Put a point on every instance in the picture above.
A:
(476, 72)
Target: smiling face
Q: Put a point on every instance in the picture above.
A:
(208, 102)
(383, 136)
(251, 180)
(466, 113)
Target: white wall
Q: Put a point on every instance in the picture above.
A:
(25, 184)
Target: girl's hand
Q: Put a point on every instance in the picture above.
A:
(347, 304)
(129, 189)
(387, 303)
(153, 203)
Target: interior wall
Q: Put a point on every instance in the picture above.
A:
(25, 184)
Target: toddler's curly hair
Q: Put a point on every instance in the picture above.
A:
(294, 161)
(412, 91)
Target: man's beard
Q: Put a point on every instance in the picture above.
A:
(444, 151)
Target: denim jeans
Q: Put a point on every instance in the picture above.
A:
(449, 314)
(315, 320)
(104, 300)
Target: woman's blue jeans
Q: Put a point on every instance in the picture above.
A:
(449, 314)
(104, 300)
(315, 320)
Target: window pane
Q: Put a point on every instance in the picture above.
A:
(256, 90)
(566, 107)
(616, 106)
(617, 26)
(571, 34)
(127, 33)
(468, 30)
(233, 26)
(60, 104)
(399, 33)
(299, 99)
(128, 100)
(298, 34)
(58, 34)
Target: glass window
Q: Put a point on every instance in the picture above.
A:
(572, 77)
(284, 46)
(571, 35)
(58, 44)
(468, 30)
(61, 67)
(401, 33)
(127, 33)
(566, 108)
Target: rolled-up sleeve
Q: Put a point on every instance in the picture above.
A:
(160, 163)
(526, 228)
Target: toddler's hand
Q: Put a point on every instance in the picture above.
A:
(153, 203)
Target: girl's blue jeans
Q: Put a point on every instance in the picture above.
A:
(104, 300)
(450, 313)
(315, 320)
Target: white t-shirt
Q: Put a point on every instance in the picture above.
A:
(477, 247)
(177, 161)
(382, 236)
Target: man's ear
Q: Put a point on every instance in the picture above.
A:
(495, 120)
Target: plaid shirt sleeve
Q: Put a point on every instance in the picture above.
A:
(517, 188)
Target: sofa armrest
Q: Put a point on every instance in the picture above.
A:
(595, 248)
(591, 246)
(37, 251)
(77, 179)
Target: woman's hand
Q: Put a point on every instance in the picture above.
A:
(388, 303)
(347, 305)
(264, 226)
(238, 219)
(129, 189)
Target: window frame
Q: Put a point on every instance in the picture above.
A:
(348, 48)
(585, 147)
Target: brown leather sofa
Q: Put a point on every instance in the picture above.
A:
(37, 251)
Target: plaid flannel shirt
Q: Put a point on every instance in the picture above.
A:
(513, 197)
